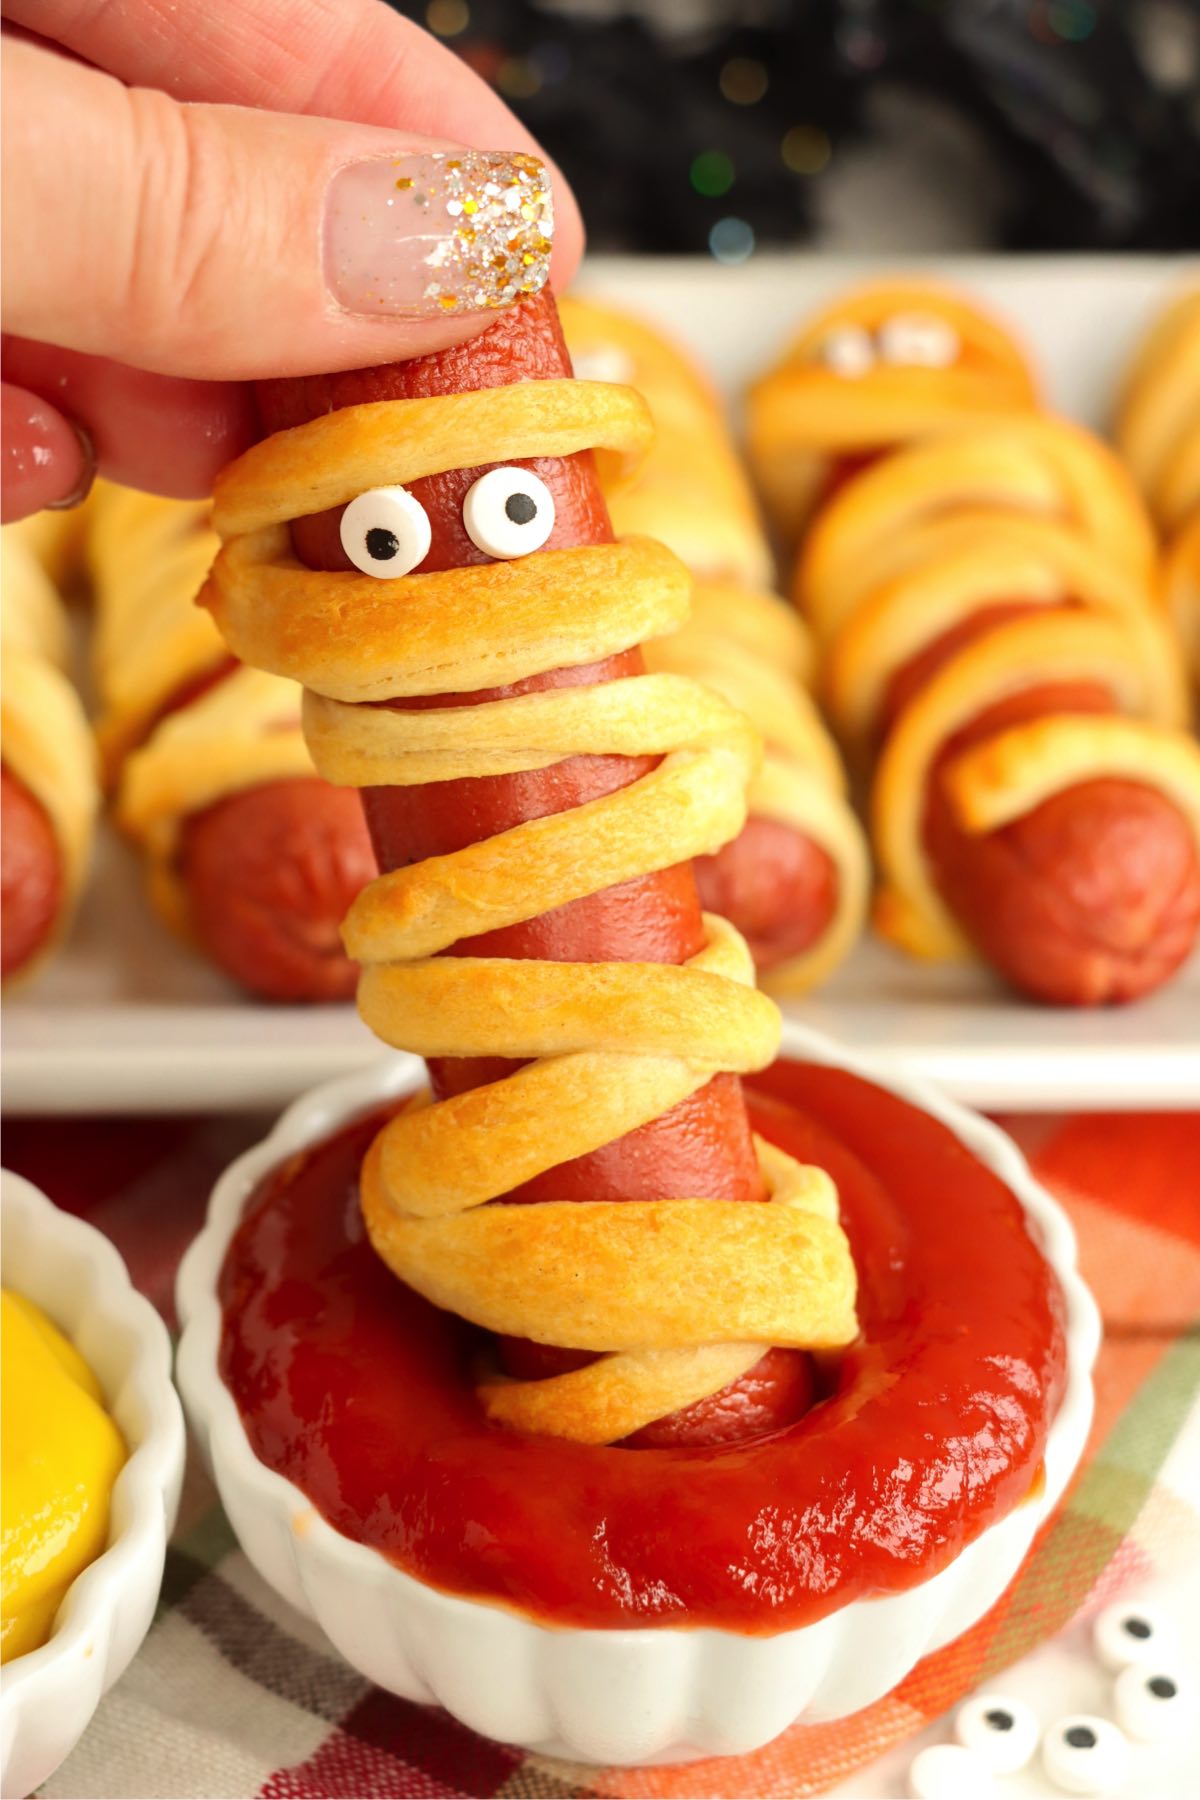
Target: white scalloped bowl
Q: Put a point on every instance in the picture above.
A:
(72, 1271)
(628, 1696)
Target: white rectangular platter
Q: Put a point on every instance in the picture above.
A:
(128, 1021)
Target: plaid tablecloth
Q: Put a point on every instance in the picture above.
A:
(235, 1694)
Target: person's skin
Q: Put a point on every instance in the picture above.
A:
(170, 232)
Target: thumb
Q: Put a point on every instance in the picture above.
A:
(222, 242)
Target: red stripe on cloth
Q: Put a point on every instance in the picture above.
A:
(389, 1746)
(1144, 1165)
(344, 1768)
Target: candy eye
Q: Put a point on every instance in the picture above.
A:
(1003, 1732)
(603, 362)
(918, 340)
(1152, 1707)
(1086, 1755)
(1125, 1635)
(508, 512)
(848, 351)
(385, 532)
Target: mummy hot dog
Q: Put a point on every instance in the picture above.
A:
(885, 364)
(794, 881)
(247, 853)
(48, 787)
(1158, 435)
(534, 799)
(1158, 416)
(992, 641)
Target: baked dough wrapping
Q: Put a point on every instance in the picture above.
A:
(148, 559)
(691, 493)
(679, 1297)
(1157, 425)
(45, 739)
(1032, 515)
(880, 366)
(1157, 431)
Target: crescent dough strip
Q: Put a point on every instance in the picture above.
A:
(148, 558)
(1158, 419)
(1039, 563)
(689, 806)
(44, 735)
(540, 1009)
(690, 491)
(1065, 647)
(613, 1046)
(741, 640)
(997, 781)
(329, 460)
(1031, 465)
(338, 634)
(804, 412)
(648, 715)
(1181, 591)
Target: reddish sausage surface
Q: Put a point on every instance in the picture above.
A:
(271, 872)
(31, 874)
(703, 1146)
(1093, 896)
(776, 884)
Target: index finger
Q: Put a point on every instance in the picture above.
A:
(340, 59)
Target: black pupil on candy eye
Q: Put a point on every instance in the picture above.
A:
(1137, 1628)
(998, 1720)
(520, 508)
(1081, 1737)
(382, 544)
(1162, 1687)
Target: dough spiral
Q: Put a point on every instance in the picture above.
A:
(678, 1297)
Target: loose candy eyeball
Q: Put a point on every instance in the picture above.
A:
(1083, 1754)
(1129, 1633)
(949, 1772)
(1152, 1704)
(1002, 1731)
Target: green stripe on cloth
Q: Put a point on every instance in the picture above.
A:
(1082, 1540)
(1120, 1476)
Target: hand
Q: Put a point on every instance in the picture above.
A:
(197, 196)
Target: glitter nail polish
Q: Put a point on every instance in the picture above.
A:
(438, 232)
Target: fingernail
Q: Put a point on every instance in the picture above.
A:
(87, 472)
(438, 232)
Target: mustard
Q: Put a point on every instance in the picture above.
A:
(60, 1454)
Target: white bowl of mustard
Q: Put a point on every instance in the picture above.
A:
(74, 1278)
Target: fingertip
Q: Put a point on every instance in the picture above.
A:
(48, 457)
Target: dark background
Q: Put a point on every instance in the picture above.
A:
(875, 125)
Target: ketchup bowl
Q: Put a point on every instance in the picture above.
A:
(75, 1276)
(622, 1694)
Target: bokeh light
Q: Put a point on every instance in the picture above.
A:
(447, 18)
(731, 240)
(805, 149)
(743, 80)
(712, 173)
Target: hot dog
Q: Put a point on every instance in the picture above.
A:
(1012, 681)
(795, 881)
(48, 791)
(881, 366)
(702, 1145)
(248, 853)
(30, 875)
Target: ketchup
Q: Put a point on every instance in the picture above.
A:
(927, 1430)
